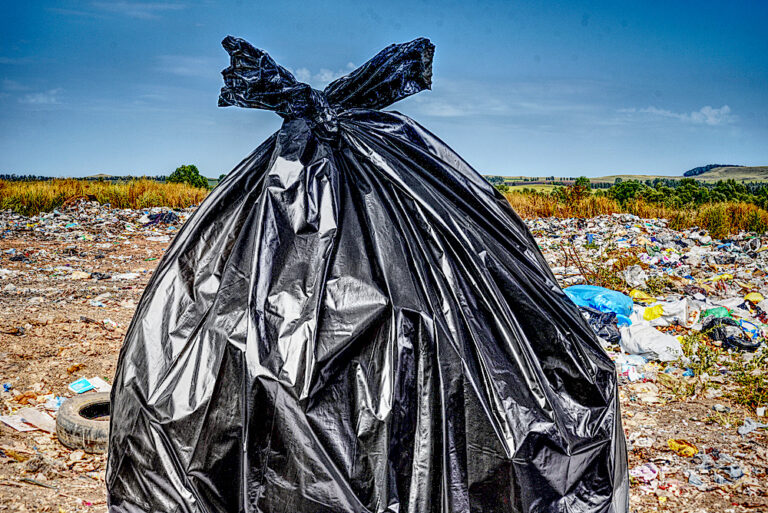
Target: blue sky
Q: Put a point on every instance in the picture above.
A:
(533, 88)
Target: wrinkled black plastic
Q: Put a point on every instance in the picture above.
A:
(729, 332)
(356, 321)
(604, 324)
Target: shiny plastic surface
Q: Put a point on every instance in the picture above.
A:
(600, 298)
(355, 321)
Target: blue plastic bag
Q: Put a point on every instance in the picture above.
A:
(600, 298)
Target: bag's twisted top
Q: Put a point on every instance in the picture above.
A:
(255, 80)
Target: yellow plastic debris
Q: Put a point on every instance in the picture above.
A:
(720, 277)
(683, 447)
(641, 297)
(653, 312)
(755, 297)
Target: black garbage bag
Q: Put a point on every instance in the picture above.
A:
(162, 218)
(730, 333)
(355, 321)
(604, 324)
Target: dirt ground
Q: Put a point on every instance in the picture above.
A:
(53, 331)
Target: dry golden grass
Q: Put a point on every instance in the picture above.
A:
(721, 219)
(31, 198)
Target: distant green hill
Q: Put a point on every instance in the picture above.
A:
(740, 173)
(696, 171)
(705, 174)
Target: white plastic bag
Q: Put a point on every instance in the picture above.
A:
(643, 339)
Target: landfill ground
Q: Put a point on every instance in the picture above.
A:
(70, 282)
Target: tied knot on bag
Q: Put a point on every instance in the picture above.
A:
(255, 80)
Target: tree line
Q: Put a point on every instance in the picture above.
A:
(677, 193)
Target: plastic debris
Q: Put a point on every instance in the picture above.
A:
(742, 335)
(694, 478)
(99, 384)
(643, 339)
(600, 298)
(39, 419)
(646, 472)
(605, 324)
(718, 312)
(17, 422)
(635, 276)
(80, 386)
(750, 426)
(682, 447)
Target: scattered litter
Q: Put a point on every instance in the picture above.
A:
(37, 418)
(683, 447)
(54, 403)
(635, 276)
(99, 384)
(646, 472)
(17, 422)
(694, 479)
(80, 386)
(162, 218)
(125, 276)
(750, 426)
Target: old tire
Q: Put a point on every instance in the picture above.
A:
(83, 422)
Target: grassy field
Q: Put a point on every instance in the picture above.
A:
(537, 188)
(612, 178)
(721, 219)
(31, 198)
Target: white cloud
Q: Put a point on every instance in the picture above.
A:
(322, 78)
(706, 115)
(50, 97)
(138, 10)
(514, 102)
(303, 75)
(442, 109)
(187, 66)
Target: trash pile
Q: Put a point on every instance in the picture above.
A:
(717, 286)
(91, 221)
(681, 315)
(685, 319)
(69, 283)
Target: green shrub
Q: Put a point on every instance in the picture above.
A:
(188, 174)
